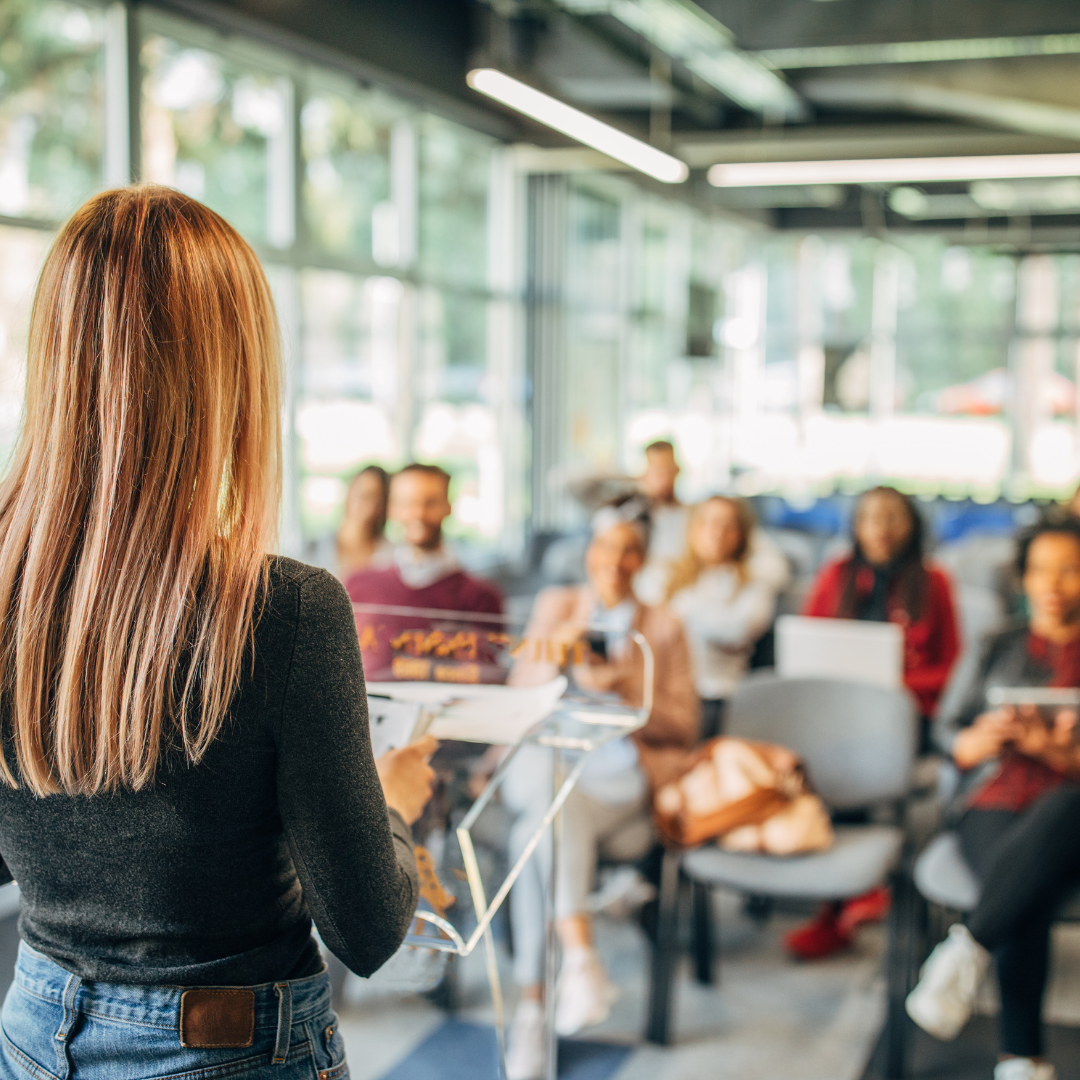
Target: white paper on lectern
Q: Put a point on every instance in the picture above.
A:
(393, 724)
(477, 713)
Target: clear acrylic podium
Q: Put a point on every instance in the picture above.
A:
(412, 647)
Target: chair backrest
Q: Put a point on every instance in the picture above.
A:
(982, 611)
(858, 742)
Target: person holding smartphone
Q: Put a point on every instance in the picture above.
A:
(1018, 809)
(586, 630)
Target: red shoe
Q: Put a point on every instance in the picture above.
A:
(819, 938)
(870, 907)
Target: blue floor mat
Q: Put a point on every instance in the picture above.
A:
(459, 1051)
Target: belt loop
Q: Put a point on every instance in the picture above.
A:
(71, 989)
(284, 1022)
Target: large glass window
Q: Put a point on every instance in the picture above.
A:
(947, 369)
(955, 316)
(51, 107)
(454, 174)
(219, 130)
(596, 295)
(346, 140)
(393, 303)
(347, 395)
(457, 419)
(21, 254)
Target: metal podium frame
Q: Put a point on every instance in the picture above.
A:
(576, 726)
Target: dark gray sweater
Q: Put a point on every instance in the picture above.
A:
(213, 875)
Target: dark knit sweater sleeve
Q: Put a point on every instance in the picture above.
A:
(354, 858)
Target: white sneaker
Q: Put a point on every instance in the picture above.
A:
(584, 995)
(525, 1043)
(1024, 1069)
(622, 895)
(942, 1002)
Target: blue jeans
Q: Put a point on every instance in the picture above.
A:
(55, 1025)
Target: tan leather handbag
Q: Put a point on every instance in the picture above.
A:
(751, 796)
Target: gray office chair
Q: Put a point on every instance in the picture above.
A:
(858, 743)
(944, 878)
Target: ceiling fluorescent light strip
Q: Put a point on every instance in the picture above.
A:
(893, 170)
(918, 52)
(578, 125)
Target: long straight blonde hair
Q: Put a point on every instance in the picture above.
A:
(690, 567)
(144, 490)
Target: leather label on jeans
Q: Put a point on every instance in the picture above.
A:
(222, 1019)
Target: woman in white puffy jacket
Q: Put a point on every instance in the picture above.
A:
(723, 606)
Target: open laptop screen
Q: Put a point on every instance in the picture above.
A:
(867, 652)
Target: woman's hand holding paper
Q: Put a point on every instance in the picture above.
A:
(407, 777)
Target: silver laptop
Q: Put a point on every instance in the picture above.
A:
(866, 652)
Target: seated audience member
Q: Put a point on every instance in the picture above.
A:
(610, 808)
(424, 571)
(361, 539)
(668, 518)
(723, 610)
(886, 578)
(669, 522)
(1018, 810)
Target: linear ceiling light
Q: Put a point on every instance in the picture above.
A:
(578, 125)
(687, 33)
(893, 170)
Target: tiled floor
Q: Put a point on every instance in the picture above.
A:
(766, 1019)
(765, 1014)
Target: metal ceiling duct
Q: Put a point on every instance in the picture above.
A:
(686, 33)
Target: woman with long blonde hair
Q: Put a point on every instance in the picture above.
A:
(723, 606)
(187, 776)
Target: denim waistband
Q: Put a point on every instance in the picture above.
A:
(159, 1006)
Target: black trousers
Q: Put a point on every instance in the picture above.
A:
(1026, 862)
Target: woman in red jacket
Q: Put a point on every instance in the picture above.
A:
(886, 578)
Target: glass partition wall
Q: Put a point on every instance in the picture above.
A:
(398, 300)
(52, 155)
(444, 297)
(373, 216)
(947, 370)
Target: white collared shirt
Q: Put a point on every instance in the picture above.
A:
(419, 569)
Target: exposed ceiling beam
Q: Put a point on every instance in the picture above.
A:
(1030, 117)
(686, 33)
(882, 140)
(528, 158)
(918, 52)
(988, 198)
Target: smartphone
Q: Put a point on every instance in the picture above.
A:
(1052, 697)
(597, 640)
(1048, 701)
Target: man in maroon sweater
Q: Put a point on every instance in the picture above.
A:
(424, 575)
